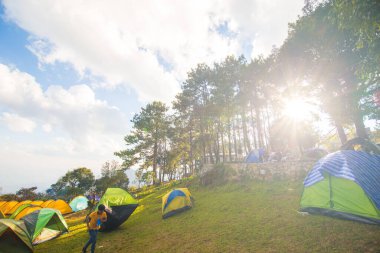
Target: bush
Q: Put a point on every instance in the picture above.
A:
(216, 176)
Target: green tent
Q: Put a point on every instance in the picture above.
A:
(45, 224)
(344, 184)
(120, 205)
(14, 237)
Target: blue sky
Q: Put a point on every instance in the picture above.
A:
(73, 73)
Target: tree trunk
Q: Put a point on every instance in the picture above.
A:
(155, 161)
(220, 130)
(203, 142)
(234, 137)
(191, 150)
(268, 147)
(217, 157)
(212, 160)
(253, 126)
(259, 127)
(342, 135)
(240, 144)
(359, 124)
(229, 140)
(247, 145)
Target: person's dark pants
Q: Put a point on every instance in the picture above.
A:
(92, 240)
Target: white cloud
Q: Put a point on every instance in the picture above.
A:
(47, 128)
(17, 123)
(66, 128)
(123, 41)
(74, 112)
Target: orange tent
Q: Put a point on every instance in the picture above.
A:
(27, 211)
(8, 206)
(2, 203)
(62, 206)
(18, 205)
(47, 203)
(37, 202)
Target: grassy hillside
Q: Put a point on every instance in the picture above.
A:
(242, 217)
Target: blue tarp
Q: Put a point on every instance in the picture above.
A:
(358, 166)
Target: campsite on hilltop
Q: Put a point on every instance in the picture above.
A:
(190, 126)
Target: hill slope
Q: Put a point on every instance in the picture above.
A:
(242, 217)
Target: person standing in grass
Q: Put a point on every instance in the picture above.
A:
(94, 220)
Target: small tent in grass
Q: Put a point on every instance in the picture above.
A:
(79, 203)
(14, 237)
(175, 201)
(120, 205)
(45, 224)
(344, 184)
(255, 156)
(8, 206)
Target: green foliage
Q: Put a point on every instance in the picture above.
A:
(74, 182)
(8, 197)
(363, 19)
(27, 193)
(326, 56)
(146, 144)
(113, 175)
(218, 175)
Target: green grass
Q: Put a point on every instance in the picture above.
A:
(242, 217)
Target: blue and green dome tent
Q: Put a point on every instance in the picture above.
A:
(79, 203)
(344, 184)
(176, 201)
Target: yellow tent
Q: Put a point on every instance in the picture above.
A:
(18, 205)
(62, 206)
(8, 206)
(176, 201)
(46, 203)
(2, 203)
(27, 211)
(37, 202)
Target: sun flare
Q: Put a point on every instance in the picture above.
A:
(297, 109)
